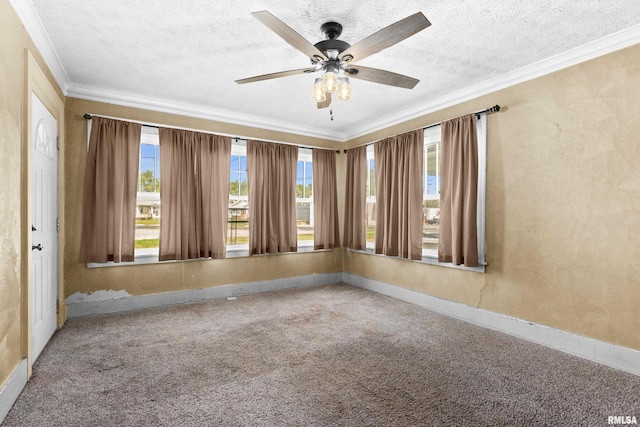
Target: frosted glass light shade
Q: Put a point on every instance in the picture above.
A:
(344, 89)
(330, 81)
(318, 93)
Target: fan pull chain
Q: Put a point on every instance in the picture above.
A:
(331, 113)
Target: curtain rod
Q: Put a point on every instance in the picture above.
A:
(489, 110)
(90, 116)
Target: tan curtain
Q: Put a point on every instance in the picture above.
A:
(110, 189)
(355, 199)
(399, 195)
(458, 241)
(326, 234)
(194, 194)
(271, 171)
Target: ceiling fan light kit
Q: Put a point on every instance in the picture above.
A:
(344, 89)
(318, 94)
(336, 58)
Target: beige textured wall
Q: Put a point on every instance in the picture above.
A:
(13, 42)
(169, 276)
(563, 204)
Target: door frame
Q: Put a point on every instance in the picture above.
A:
(53, 100)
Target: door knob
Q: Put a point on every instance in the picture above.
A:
(38, 247)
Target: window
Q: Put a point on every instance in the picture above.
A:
(147, 233)
(431, 192)
(370, 191)
(148, 212)
(304, 198)
(238, 217)
(148, 200)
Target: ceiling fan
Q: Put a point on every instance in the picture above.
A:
(336, 58)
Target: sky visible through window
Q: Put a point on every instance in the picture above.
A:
(149, 168)
(304, 176)
(238, 183)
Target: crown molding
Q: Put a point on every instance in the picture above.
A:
(110, 97)
(32, 23)
(608, 44)
(600, 47)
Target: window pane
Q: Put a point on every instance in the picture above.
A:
(431, 224)
(147, 233)
(234, 184)
(244, 183)
(238, 209)
(238, 185)
(431, 199)
(304, 177)
(432, 180)
(238, 222)
(304, 203)
(371, 181)
(308, 186)
(304, 220)
(370, 219)
(370, 224)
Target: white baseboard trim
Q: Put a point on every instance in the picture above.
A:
(125, 302)
(11, 389)
(623, 358)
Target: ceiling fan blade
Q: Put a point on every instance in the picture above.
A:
(388, 36)
(289, 35)
(325, 103)
(275, 75)
(381, 76)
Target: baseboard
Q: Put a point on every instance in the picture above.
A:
(10, 391)
(617, 357)
(114, 302)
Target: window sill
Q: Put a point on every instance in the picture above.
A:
(428, 257)
(150, 256)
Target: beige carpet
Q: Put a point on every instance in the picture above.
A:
(330, 355)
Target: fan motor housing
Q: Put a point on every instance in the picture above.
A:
(332, 44)
(331, 31)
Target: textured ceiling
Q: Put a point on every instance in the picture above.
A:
(186, 54)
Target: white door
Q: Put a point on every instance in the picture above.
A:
(44, 267)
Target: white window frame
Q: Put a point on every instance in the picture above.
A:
(238, 148)
(369, 197)
(432, 136)
(305, 155)
(149, 136)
